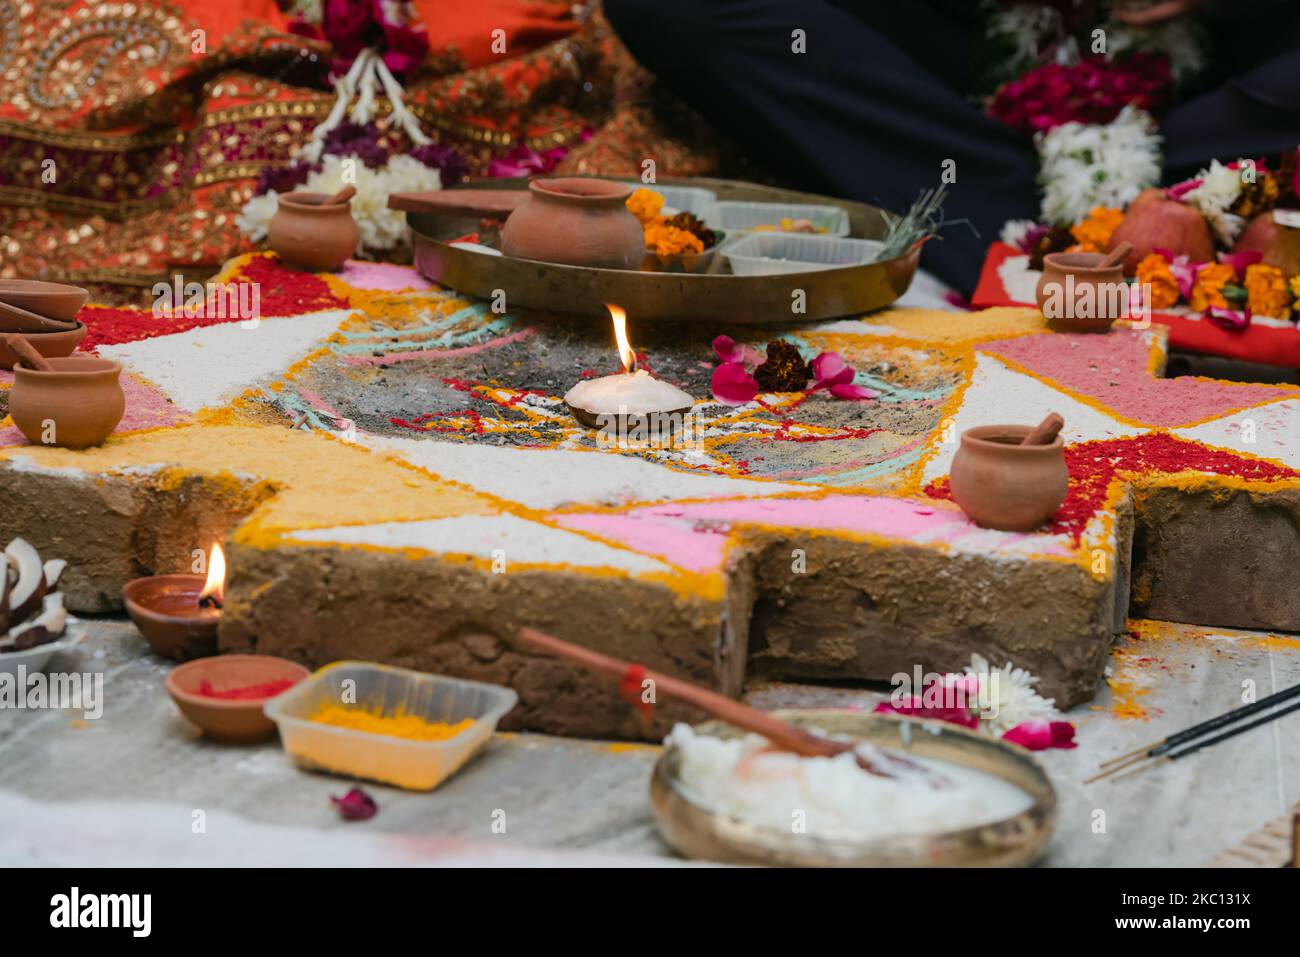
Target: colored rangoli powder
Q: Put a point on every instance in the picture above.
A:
(408, 726)
(267, 689)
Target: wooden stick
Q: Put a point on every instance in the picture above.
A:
(1115, 256)
(785, 736)
(1045, 432)
(27, 352)
(342, 196)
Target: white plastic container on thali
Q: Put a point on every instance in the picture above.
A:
(734, 217)
(769, 254)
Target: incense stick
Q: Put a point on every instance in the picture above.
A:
(1164, 748)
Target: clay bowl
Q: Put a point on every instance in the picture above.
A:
(1002, 484)
(682, 262)
(310, 235)
(76, 406)
(52, 345)
(233, 721)
(53, 300)
(166, 610)
(1076, 296)
(15, 318)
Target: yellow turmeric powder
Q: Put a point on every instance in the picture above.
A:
(409, 726)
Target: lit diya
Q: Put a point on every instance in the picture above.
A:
(630, 399)
(178, 614)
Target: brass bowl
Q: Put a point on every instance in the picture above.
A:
(1017, 841)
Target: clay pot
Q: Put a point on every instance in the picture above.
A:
(1002, 484)
(82, 397)
(222, 719)
(49, 344)
(576, 222)
(310, 235)
(53, 300)
(1088, 299)
(166, 610)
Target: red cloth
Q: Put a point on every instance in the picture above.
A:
(1269, 345)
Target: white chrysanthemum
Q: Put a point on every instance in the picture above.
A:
(1219, 189)
(1025, 26)
(1014, 231)
(254, 219)
(1010, 696)
(1087, 165)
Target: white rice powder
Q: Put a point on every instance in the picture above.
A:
(834, 796)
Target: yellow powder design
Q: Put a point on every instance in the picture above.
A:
(412, 727)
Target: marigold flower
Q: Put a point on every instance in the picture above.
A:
(667, 240)
(1093, 233)
(645, 204)
(1267, 292)
(1154, 272)
(1295, 285)
(1208, 290)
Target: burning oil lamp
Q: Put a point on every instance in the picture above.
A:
(178, 614)
(628, 398)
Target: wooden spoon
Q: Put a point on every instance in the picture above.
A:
(1115, 256)
(27, 352)
(1045, 432)
(342, 196)
(783, 735)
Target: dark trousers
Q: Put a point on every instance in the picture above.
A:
(875, 105)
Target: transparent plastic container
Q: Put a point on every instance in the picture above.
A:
(683, 199)
(734, 217)
(380, 689)
(769, 254)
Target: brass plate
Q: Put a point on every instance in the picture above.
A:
(713, 297)
(1015, 842)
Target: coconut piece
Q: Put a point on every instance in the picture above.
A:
(54, 570)
(48, 626)
(26, 594)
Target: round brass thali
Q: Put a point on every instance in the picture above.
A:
(1017, 841)
(714, 297)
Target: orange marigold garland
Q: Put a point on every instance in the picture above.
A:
(1093, 233)
(1154, 272)
(1208, 289)
(1267, 292)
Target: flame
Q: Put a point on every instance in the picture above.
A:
(215, 586)
(620, 333)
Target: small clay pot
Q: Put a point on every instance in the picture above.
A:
(49, 344)
(239, 721)
(1002, 484)
(74, 407)
(313, 236)
(166, 610)
(53, 300)
(576, 222)
(1090, 299)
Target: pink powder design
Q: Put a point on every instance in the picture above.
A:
(1113, 369)
(382, 277)
(694, 536)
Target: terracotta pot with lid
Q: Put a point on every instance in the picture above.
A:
(1003, 484)
(311, 234)
(576, 222)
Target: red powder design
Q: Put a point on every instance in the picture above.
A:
(282, 292)
(1094, 465)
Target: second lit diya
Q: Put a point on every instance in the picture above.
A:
(178, 614)
(627, 401)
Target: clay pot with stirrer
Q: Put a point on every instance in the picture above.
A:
(73, 402)
(1011, 477)
(1083, 292)
(313, 231)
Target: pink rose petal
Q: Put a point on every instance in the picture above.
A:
(1240, 260)
(844, 390)
(356, 805)
(1041, 735)
(732, 385)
